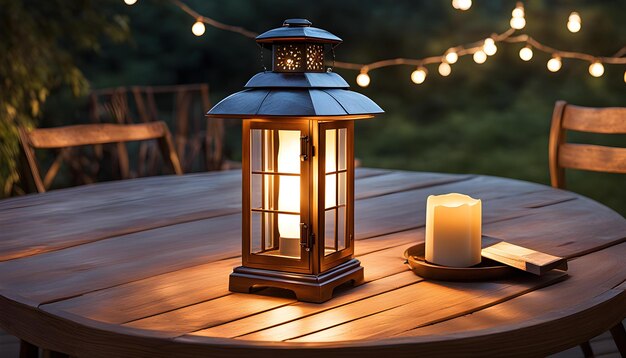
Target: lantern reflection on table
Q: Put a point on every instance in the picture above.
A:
(298, 167)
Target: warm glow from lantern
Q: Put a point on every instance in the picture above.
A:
(462, 4)
(451, 56)
(198, 28)
(480, 57)
(419, 76)
(624, 76)
(596, 69)
(363, 79)
(526, 53)
(574, 23)
(130, 2)
(445, 69)
(554, 64)
(489, 47)
(289, 186)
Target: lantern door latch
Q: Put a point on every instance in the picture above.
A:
(304, 148)
(306, 239)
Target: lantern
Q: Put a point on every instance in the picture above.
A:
(298, 167)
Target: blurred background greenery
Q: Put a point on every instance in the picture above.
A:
(490, 119)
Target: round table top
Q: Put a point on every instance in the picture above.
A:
(141, 267)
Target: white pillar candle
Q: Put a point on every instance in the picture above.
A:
(453, 230)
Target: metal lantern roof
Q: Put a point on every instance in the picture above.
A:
(316, 95)
(299, 29)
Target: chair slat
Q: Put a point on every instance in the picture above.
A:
(93, 134)
(610, 120)
(592, 157)
(71, 136)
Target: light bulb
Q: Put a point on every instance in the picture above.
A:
(444, 69)
(363, 79)
(489, 47)
(518, 23)
(596, 69)
(574, 17)
(462, 4)
(130, 2)
(573, 26)
(198, 28)
(574, 22)
(451, 56)
(419, 76)
(518, 11)
(526, 53)
(480, 56)
(554, 64)
(624, 76)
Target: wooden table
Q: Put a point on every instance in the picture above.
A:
(140, 268)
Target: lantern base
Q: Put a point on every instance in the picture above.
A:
(308, 288)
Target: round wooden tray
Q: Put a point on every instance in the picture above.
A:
(484, 271)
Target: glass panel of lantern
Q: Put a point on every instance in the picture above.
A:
(275, 192)
(298, 57)
(336, 188)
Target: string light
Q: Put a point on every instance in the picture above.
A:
(596, 69)
(574, 23)
(130, 2)
(445, 69)
(419, 75)
(517, 17)
(554, 64)
(451, 56)
(198, 28)
(526, 53)
(487, 46)
(462, 4)
(363, 79)
(480, 56)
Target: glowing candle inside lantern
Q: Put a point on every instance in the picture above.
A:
(289, 192)
(331, 166)
(453, 230)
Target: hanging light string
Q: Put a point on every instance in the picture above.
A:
(211, 22)
(480, 50)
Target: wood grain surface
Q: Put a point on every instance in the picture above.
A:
(140, 268)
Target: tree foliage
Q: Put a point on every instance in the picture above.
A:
(40, 41)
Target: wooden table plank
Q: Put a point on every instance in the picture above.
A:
(147, 253)
(424, 302)
(119, 208)
(299, 310)
(161, 293)
(587, 279)
(574, 228)
(196, 243)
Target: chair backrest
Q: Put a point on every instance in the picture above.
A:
(567, 117)
(198, 142)
(91, 134)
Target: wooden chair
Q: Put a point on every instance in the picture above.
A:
(567, 117)
(585, 156)
(91, 134)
